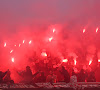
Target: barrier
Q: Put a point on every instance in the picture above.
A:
(59, 85)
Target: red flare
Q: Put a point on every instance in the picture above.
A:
(97, 30)
(4, 44)
(30, 42)
(84, 30)
(19, 45)
(50, 39)
(90, 62)
(12, 59)
(64, 60)
(99, 60)
(75, 62)
(54, 30)
(44, 54)
(23, 41)
(11, 51)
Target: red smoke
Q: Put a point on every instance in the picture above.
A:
(56, 26)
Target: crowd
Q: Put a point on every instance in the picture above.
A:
(57, 75)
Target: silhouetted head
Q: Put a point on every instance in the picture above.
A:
(8, 72)
(63, 68)
(27, 68)
(1, 73)
(82, 71)
(73, 73)
(51, 72)
(92, 73)
(42, 73)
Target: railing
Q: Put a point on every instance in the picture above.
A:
(80, 85)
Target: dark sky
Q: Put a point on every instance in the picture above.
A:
(14, 13)
(42, 11)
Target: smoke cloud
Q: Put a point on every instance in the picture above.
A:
(35, 20)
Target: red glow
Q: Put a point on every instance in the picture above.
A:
(19, 45)
(4, 44)
(55, 46)
(50, 39)
(30, 42)
(64, 60)
(75, 62)
(84, 30)
(54, 30)
(12, 59)
(97, 30)
(11, 51)
(99, 60)
(44, 54)
(90, 62)
(23, 41)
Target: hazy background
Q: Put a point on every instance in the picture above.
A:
(32, 19)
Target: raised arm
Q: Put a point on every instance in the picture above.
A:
(3, 74)
(36, 74)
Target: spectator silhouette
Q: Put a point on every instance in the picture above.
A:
(65, 74)
(81, 76)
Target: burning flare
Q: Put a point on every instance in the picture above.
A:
(50, 39)
(64, 60)
(84, 30)
(97, 30)
(12, 59)
(19, 45)
(44, 54)
(11, 51)
(4, 44)
(99, 60)
(23, 41)
(30, 42)
(54, 30)
(90, 62)
(75, 62)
